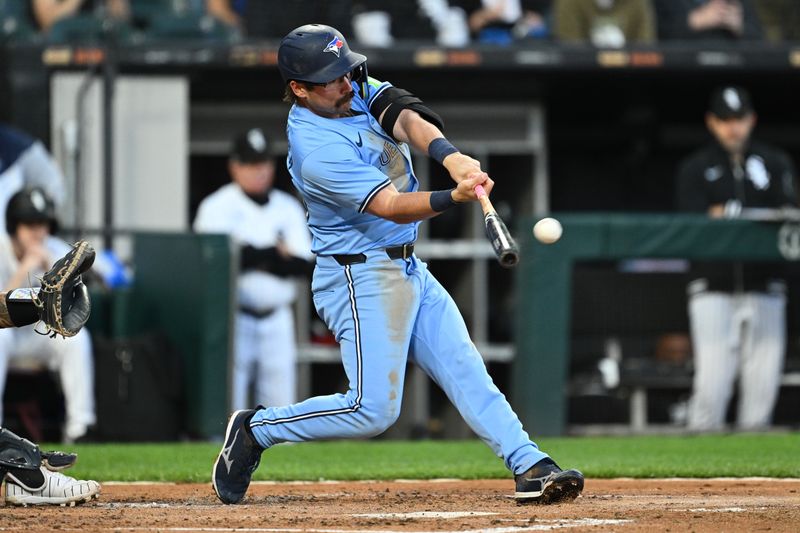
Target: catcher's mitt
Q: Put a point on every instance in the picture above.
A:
(63, 300)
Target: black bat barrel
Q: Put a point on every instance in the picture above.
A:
(504, 246)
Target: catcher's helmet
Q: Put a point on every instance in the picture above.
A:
(30, 206)
(317, 53)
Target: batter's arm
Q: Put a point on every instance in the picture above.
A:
(411, 128)
(407, 207)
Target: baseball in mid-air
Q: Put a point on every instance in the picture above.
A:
(548, 230)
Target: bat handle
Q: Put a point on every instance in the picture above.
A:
(483, 198)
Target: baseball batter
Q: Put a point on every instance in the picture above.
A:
(270, 227)
(349, 138)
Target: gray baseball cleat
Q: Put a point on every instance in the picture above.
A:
(545, 482)
(237, 460)
(25, 489)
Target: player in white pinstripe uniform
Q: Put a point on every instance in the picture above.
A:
(737, 313)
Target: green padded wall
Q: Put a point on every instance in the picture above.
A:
(183, 286)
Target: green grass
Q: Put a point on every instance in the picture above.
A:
(773, 455)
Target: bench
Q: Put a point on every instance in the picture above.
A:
(639, 385)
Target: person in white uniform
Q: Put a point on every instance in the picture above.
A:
(270, 227)
(27, 249)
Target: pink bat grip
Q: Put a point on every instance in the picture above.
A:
(479, 191)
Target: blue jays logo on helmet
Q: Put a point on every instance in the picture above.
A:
(334, 45)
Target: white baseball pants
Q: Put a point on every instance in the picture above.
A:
(265, 354)
(72, 357)
(740, 334)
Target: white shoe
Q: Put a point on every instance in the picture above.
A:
(57, 489)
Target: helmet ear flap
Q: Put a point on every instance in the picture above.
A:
(361, 77)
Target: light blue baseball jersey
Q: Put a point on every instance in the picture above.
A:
(383, 312)
(339, 165)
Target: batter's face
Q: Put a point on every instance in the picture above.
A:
(732, 133)
(331, 100)
(253, 178)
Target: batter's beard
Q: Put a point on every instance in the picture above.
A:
(345, 101)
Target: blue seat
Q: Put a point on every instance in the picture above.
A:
(87, 29)
(192, 25)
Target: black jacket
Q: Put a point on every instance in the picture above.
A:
(709, 177)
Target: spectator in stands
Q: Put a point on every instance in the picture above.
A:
(28, 249)
(707, 20)
(780, 19)
(230, 12)
(604, 23)
(378, 23)
(25, 162)
(47, 13)
(270, 226)
(272, 19)
(503, 21)
(737, 313)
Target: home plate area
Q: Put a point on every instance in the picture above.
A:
(624, 505)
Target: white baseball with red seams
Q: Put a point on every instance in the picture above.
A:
(547, 230)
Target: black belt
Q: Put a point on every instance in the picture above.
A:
(395, 252)
(256, 313)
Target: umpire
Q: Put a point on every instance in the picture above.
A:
(737, 313)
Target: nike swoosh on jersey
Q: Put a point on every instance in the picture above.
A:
(227, 451)
(359, 142)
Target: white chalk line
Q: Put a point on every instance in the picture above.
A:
(447, 515)
(455, 480)
(540, 525)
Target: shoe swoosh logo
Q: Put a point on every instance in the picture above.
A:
(227, 451)
(359, 142)
(544, 479)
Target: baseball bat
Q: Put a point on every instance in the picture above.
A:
(505, 248)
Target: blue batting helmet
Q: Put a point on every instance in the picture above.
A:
(317, 53)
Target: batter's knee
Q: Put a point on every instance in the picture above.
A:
(377, 417)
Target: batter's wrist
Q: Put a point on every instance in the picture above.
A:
(440, 148)
(442, 200)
